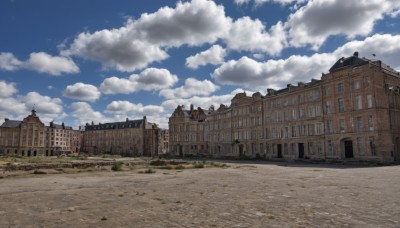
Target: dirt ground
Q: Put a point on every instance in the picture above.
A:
(242, 195)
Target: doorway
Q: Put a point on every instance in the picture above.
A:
(279, 150)
(301, 150)
(348, 149)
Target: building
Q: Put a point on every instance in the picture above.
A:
(163, 141)
(130, 138)
(30, 137)
(351, 113)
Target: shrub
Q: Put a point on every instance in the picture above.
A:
(149, 170)
(198, 165)
(117, 166)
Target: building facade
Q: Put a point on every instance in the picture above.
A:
(30, 137)
(130, 138)
(350, 113)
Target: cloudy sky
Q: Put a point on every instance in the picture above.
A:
(81, 61)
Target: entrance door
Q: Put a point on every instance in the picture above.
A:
(348, 149)
(241, 150)
(301, 150)
(180, 151)
(279, 150)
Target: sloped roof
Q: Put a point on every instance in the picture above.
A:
(115, 125)
(352, 61)
(11, 123)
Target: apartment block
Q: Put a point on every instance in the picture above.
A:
(130, 137)
(350, 113)
(30, 137)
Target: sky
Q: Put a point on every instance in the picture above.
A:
(78, 61)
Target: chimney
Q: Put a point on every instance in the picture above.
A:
(127, 119)
(191, 108)
(6, 119)
(355, 54)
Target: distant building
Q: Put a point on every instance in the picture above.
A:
(30, 137)
(163, 141)
(352, 113)
(131, 137)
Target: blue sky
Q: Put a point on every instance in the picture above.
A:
(102, 61)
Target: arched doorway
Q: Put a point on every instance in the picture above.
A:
(29, 153)
(347, 145)
(34, 153)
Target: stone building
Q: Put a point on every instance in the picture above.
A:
(131, 137)
(351, 113)
(163, 141)
(187, 131)
(30, 137)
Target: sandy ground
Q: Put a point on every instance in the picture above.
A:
(243, 195)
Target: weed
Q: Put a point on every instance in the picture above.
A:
(198, 165)
(117, 166)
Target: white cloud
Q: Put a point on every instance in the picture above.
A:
(81, 91)
(203, 102)
(277, 73)
(128, 108)
(141, 42)
(8, 62)
(84, 113)
(7, 89)
(40, 62)
(250, 35)
(215, 55)
(317, 20)
(260, 2)
(149, 80)
(192, 87)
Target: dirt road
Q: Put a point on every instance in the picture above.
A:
(243, 195)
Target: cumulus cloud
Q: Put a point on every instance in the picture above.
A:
(215, 55)
(277, 73)
(141, 42)
(81, 91)
(40, 62)
(250, 35)
(192, 87)
(84, 113)
(128, 108)
(54, 65)
(7, 89)
(317, 20)
(19, 106)
(9, 62)
(260, 2)
(203, 102)
(149, 80)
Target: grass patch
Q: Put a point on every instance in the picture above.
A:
(117, 166)
(198, 165)
(166, 167)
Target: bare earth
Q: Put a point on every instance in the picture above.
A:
(243, 195)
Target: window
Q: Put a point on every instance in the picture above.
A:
(302, 113)
(358, 102)
(294, 114)
(359, 122)
(369, 101)
(318, 110)
(310, 148)
(311, 111)
(328, 107)
(340, 87)
(320, 128)
(330, 147)
(360, 146)
(372, 146)
(357, 84)
(329, 126)
(342, 125)
(294, 131)
(328, 91)
(366, 82)
(370, 122)
(341, 104)
(311, 129)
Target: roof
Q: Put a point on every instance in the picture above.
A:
(352, 61)
(60, 126)
(11, 123)
(115, 125)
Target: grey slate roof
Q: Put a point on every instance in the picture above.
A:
(352, 61)
(11, 123)
(115, 125)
